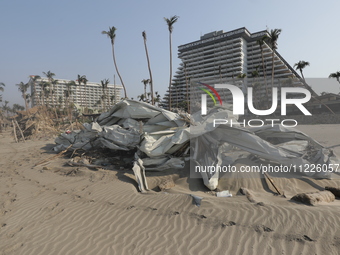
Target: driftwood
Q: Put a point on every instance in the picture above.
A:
(14, 132)
(275, 187)
(314, 198)
(22, 134)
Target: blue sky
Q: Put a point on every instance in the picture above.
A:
(65, 36)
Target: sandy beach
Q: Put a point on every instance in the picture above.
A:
(53, 208)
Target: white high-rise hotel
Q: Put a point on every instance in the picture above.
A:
(220, 57)
(86, 96)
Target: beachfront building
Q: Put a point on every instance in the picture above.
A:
(89, 96)
(229, 57)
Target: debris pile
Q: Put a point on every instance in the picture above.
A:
(34, 123)
(161, 140)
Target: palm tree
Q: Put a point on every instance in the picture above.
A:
(261, 43)
(158, 98)
(170, 22)
(6, 108)
(80, 80)
(22, 87)
(44, 87)
(34, 78)
(149, 67)
(17, 107)
(335, 75)
(141, 97)
(111, 33)
(104, 83)
(47, 93)
(145, 82)
(84, 80)
(272, 39)
(53, 92)
(187, 84)
(69, 98)
(2, 85)
(301, 65)
(50, 76)
(67, 94)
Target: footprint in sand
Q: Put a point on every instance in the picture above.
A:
(262, 228)
(14, 232)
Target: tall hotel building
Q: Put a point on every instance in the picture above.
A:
(86, 96)
(220, 57)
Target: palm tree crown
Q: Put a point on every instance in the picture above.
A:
(149, 67)
(111, 33)
(273, 37)
(335, 75)
(1, 86)
(301, 65)
(170, 22)
(22, 87)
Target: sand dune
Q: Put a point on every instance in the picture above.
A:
(57, 209)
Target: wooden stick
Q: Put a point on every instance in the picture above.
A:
(272, 182)
(55, 156)
(22, 134)
(15, 132)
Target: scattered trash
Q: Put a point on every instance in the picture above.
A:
(224, 193)
(196, 199)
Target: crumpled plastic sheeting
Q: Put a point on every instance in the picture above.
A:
(209, 144)
(113, 137)
(129, 125)
(159, 133)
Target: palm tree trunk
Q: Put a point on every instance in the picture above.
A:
(149, 67)
(103, 99)
(86, 103)
(187, 85)
(264, 72)
(35, 94)
(170, 81)
(26, 104)
(120, 77)
(302, 75)
(114, 89)
(107, 98)
(273, 66)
